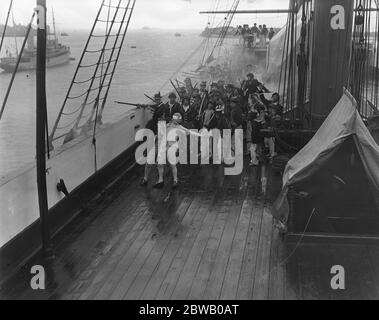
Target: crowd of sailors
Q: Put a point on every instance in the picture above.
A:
(255, 36)
(220, 105)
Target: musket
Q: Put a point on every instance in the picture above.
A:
(172, 83)
(150, 98)
(139, 106)
(202, 104)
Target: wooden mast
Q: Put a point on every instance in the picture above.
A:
(41, 114)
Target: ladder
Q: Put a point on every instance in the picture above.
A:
(87, 95)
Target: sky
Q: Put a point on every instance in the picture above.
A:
(162, 14)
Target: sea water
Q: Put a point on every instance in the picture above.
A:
(144, 69)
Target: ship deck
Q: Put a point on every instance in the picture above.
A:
(211, 239)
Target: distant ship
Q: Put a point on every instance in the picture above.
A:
(64, 34)
(146, 28)
(178, 35)
(56, 55)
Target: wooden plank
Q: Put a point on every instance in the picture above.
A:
(209, 257)
(277, 267)
(126, 261)
(261, 281)
(108, 241)
(190, 221)
(170, 281)
(233, 271)
(214, 285)
(292, 289)
(106, 269)
(246, 281)
(185, 280)
(143, 276)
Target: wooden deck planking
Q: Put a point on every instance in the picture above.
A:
(277, 267)
(195, 243)
(208, 261)
(215, 281)
(155, 282)
(144, 275)
(169, 284)
(188, 273)
(157, 242)
(262, 273)
(246, 281)
(232, 274)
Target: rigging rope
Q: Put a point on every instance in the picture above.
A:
(6, 25)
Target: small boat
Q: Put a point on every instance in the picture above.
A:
(178, 35)
(65, 34)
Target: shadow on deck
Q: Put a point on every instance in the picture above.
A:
(213, 238)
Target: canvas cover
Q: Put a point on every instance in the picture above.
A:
(343, 123)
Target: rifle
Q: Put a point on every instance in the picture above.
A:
(202, 105)
(150, 98)
(136, 105)
(172, 83)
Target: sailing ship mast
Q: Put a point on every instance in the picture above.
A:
(55, 31)
(41, 115)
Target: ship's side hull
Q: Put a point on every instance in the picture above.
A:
(75, 164)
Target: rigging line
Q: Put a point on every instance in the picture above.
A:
(101, 82)
(96, 64)
(226, 25)
(102, 53)
(102, 36)
(6, 25)
(16, 66)
(97, 51)
(15, 39)
(76, 72)
(88, 80)
(183, 64)
(118, 55)
(114, 66)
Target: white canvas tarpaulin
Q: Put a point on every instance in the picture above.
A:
(343, 123)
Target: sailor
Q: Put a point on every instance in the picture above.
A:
(271, 34)
(203, 88)
(174, 124)
(172, 106)
(208, 118)
(159, 113)
(274, 115)
(188, 113)
(196, 101)
(236, 117)
(256, 119)
(255, 32)
(264, 35)
(222, 121)
(251, 86)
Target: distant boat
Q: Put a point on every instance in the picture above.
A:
(178, 34)
(146, 28)
(64, 34)
(56, 55)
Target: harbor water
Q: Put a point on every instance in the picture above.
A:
(148, 60)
